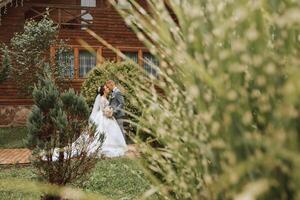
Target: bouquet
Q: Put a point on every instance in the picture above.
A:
(108, 112)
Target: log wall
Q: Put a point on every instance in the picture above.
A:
(107, 23)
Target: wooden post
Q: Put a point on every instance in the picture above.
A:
(99, 56)
(118, 58)
(52, 55)
(59, 17)
(140, 57)
(76, 63)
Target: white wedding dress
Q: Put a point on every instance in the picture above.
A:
(114, 144)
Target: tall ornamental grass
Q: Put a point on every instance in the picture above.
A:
(227, 119)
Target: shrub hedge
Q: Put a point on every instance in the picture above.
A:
(124, 74)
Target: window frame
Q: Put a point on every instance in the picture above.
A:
(69, 56)
(88, 6)
(99, 56)
(141, 51)
(98, 50)
(84, 49)
(119, 59)
(148, 52)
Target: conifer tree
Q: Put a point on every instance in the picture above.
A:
(55, 124)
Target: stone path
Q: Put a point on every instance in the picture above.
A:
(14, 156)
(21, 156)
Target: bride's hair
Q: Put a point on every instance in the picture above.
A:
(101, 90)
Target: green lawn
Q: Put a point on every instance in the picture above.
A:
(114, 178)
(120, 178)
(12, 137)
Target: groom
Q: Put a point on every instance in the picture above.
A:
(117, 103)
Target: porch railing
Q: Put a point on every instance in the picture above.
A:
(63, 15)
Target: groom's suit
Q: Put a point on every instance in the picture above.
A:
(117, 103)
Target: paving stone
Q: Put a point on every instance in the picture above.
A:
(14, 156)
(22, 156)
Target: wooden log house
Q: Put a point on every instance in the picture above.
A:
(72, 16)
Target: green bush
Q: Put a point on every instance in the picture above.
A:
(124, 74)
(27, 53)
(6, 64)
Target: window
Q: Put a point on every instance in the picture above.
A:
(132, 55)
(66, 61)
(142, 57)
(150, 62)
(88, 3)
(76, 62)
(87, 61)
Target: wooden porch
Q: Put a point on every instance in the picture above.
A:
(65, 16)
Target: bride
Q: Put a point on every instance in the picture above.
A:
(114, 144)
